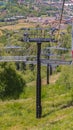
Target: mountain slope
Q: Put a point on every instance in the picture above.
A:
(57, 111)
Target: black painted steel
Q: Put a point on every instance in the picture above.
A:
(39, 40)
(47, 73)
(50, 69)
(27, 38)
(38, 83)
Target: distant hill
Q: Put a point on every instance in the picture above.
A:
(10, 8)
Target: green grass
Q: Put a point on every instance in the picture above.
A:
(57, 111)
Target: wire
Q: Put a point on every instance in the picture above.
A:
(61, 18)
(61, 14)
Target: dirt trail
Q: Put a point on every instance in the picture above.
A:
(52, 79)
(17, 26)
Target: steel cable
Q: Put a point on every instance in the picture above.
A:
(61, 13)
(61, 16)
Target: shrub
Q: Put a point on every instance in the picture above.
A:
(11, 82)
(66, 77)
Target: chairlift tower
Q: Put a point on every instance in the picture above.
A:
(39, 41)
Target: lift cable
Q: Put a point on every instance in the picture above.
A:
(61, 16)
(59, 24)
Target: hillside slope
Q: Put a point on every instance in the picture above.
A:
(57, 110)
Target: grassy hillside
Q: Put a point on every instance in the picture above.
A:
(57, 110)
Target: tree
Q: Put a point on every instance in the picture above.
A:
(12, 82)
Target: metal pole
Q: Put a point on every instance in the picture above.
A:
(48, 69)
(38, 83)
(47, 73)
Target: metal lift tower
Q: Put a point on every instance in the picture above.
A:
(39, 41)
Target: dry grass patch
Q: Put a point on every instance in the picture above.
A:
(18, 26)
